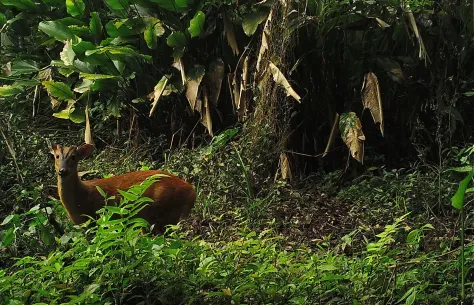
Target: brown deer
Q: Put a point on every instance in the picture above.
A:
(172, 197)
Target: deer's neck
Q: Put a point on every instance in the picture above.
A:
(73, 194)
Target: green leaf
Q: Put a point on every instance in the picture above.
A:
(75, 7)
(10, 90)
(63, 114)
(458, 199)
(95, 25)
(153, 30)
(83, 46)
(117, 4)
(196, 25)
(54, 2)
(177, 40)
(96, 76)
(129, 196)
(59, 90)
(56, 29)
(178, 6)
(71, 21)
(8, 237)
(77, 116)
(21, 67)
(150, 37)
(251, 22)
(8, 219)
(3, 19)
(21, 4)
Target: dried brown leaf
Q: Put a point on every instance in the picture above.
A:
(215, 76)
(285, 167)
(352, 135)
(372, 99)
(157, 92)
(230, 34)
(88, 133)
(265, 39)
(422, 51)
(206, 112)
(281, 80)
(194, 79)
(243, 95)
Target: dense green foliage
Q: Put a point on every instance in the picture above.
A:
(149, 76)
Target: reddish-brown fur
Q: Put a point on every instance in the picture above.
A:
(172, 197)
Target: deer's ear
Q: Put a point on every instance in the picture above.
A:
(53, 148)
(84, 151)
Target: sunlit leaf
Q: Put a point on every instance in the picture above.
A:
(251, 21)
(177, 40)
(56, 29)
(59, 90)
(196, 25)
(117, 4)
(95, 25)
(75, 7)
(458, 199)
(7, 90)
(21, 67)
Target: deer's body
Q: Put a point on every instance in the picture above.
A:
(172, 197)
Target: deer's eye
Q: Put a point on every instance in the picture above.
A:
(57, 156)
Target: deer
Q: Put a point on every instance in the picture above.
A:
(173, 198)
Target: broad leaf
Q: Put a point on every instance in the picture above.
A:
(458, 199)
(21, 4)
(75, 7)
(196, 25)
(21, 67)
(117, 4)
(153, 30)
(174, 5)
(251, 22)
(59, 90)
(351, 131)
(176, 40)
(56, 29)
(7, 90)
(95, 25)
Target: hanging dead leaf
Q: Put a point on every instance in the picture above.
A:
(181, 68)
(55, 103)
(230, 34)
(194, 79)
(281, 80)
(7, 69)
(157, 92)
(371, 98)
(88, 133)
(422, 51)
(351, 131)
(214, 77)
(332, 136)
(206, 112)
(265, 39)
(243, 95)
(285, 167)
